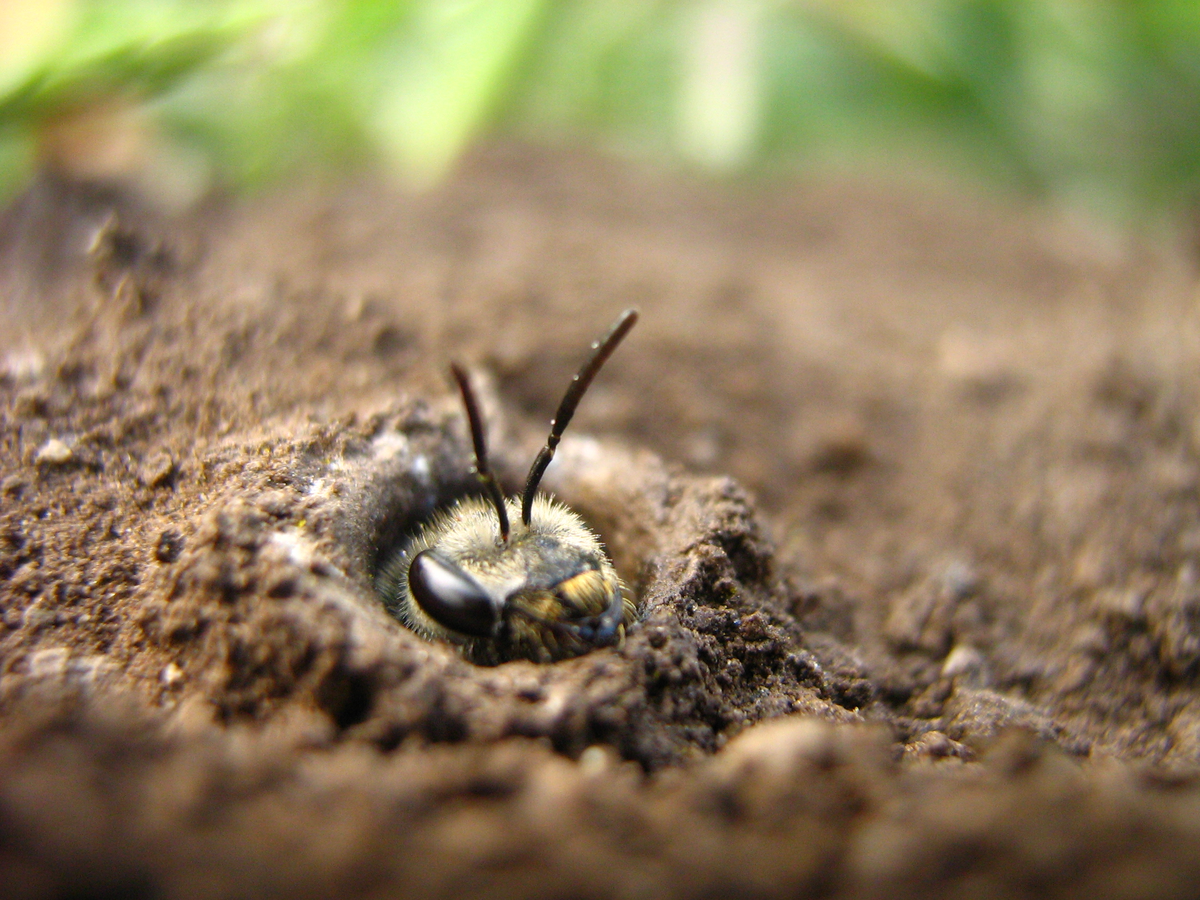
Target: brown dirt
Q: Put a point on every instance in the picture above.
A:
(911, 474)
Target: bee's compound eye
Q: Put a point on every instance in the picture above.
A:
(450, 596)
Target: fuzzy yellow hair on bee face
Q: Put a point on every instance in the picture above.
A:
(542, 590)
(549, 593)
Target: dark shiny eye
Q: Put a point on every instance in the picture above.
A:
(450, 596)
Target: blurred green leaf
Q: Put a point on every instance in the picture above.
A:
(448, 73)
(144, 50)
(1095, 102)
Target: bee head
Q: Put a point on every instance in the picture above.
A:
(545, 590)
(550, 592)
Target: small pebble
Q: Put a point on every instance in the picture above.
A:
(959, 580)
(962, 660)
(171, 675)
(50, 662)
(594, 761)
(39, 615)
(54, 453)
(156, 470)
(23, 365)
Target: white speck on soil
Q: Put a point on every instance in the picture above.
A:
(54, 453)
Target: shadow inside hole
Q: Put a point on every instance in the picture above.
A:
(386, 502)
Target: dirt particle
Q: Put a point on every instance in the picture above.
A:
(983, 366)
(1174, 619)
(23, 365)
(388, 341)
(49, 663)
(14, 486)
(934, 745)
(964, 662)
(959, 580)
(275, 503)
(40, 615)
(157, 470)
(842, 450)
(595, 761)
(55, 452)
(171, 675)
(168, 546)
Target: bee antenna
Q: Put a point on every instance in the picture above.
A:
(481, 466)
(601, 351)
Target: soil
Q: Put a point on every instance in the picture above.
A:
(905, 480)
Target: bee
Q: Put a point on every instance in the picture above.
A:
(543, 589)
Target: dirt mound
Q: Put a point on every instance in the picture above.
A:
(912, 477)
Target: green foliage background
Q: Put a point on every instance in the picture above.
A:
(1092, 102)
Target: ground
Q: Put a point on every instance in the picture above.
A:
(904, 478)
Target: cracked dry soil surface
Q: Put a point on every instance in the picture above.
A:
(905, 482)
